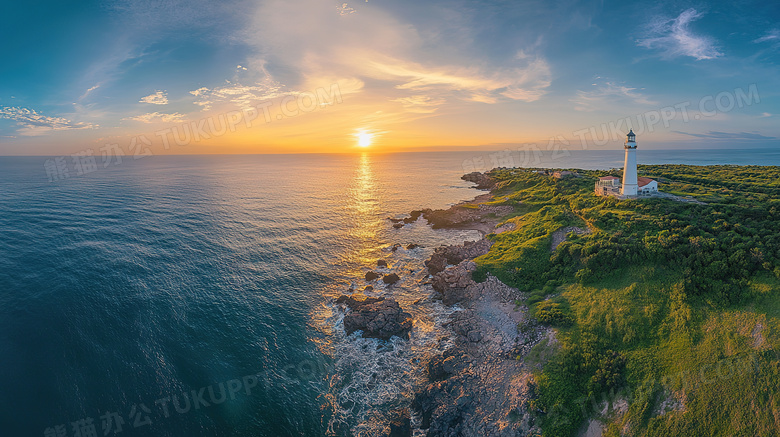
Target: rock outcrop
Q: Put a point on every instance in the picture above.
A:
(445, 255)
(483, 181)
(370, 276)
(377, 317)
(455, 283)
(400, 222)
(477, 387)
(390, 279)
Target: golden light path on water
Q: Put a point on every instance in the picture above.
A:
(364, 210)
(369, 378)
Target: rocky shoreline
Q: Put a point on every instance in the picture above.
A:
(477, 384)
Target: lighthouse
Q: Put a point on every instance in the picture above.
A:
(630, 185)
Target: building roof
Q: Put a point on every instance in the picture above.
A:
(643, 181)
(607, 178)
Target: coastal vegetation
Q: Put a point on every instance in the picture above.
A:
(667, 313)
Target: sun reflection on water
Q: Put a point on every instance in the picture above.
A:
(371, 377)
(364, 207)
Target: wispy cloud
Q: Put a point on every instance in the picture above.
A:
(526, 84)
(609, 94)
(157, 117)
(158, 98)
(237, 94)
(771, 36)
(715, 135)
(390, 58)
(674, 38)
(33, 123)
(771, 40)
(89, 90)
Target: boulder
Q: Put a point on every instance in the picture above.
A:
(376, 317)
(370, 276)
(390, 279)
(381, 263)
(455, 284)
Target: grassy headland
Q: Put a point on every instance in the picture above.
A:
(667, 313)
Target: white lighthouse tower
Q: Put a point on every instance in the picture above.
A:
(630, 185)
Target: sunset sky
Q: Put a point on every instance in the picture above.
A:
(386, 75)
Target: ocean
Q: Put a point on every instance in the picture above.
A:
(193, 295)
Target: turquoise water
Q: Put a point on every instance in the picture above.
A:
(192, 295)
(143, 282)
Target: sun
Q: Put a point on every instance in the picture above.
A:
(364, 139)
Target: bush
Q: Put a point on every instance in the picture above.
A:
(553, 313)
(535, 297)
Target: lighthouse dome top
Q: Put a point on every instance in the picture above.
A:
(631, 135)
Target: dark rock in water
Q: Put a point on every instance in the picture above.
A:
(376, 317)
(369, 288)
(413, 218)
(412, 246)
(381, 263)
(395, 247)
(370, 276)
(398, 225)
(392, 278)
(437, 263)
(400, 424)
(395, 220)
(483, 181)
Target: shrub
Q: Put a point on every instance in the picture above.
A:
(553, 313)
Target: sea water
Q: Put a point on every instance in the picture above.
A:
(193, 295)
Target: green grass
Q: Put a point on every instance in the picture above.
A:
(664, 300)
(540, 354)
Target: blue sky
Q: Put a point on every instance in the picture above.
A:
(422, 75)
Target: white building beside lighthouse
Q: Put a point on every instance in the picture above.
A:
(632, 185)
